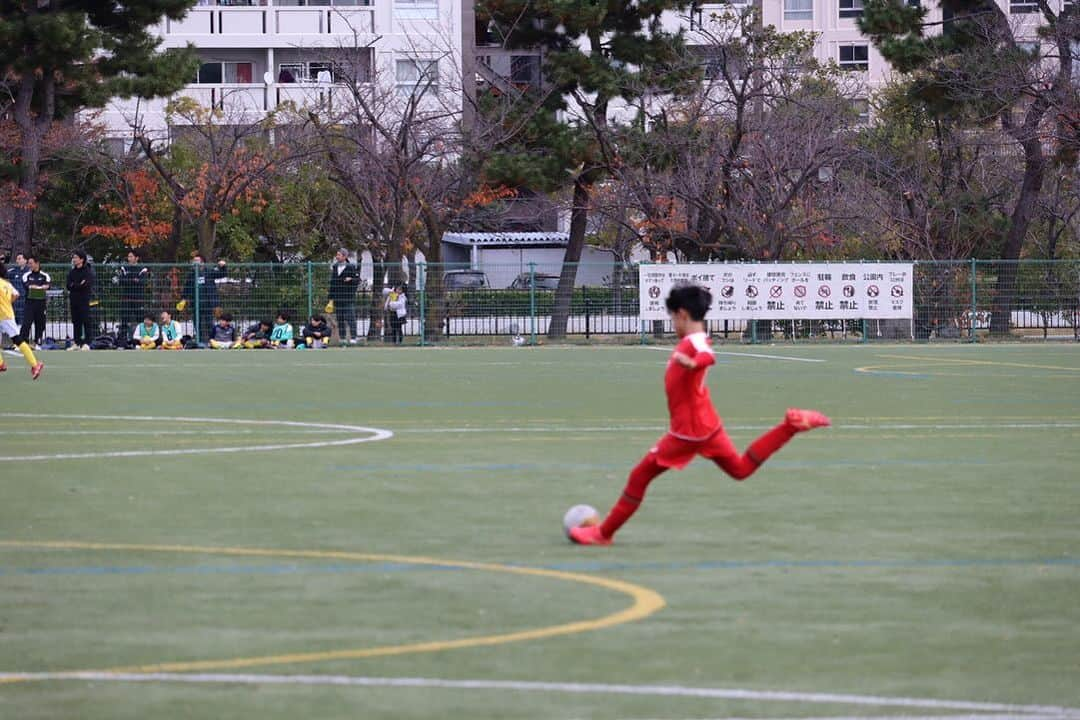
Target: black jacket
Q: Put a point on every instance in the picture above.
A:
(132, 280)
(320, 332)
(205, 276)
(80, 283)
(343, 285)
(35, 278)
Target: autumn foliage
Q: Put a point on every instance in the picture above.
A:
(140, 213)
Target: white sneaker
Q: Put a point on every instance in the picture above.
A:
(352, 341)
(69, 348)
(85, 347)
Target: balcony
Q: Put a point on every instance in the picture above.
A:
(271, 24)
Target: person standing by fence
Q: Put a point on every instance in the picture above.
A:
(132, 278)
(396, 306)
(344, 283)
(80, 287)
(201, 293)
(37, 284)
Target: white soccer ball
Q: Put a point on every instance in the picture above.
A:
(579, 516)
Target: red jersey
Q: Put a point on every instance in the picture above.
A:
(693, 416)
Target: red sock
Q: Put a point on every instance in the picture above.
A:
(633, 494)
(743, 466)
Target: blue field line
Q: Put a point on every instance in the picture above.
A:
(576, 566)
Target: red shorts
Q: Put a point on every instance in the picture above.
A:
(675, 452)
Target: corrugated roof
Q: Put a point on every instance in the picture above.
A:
(507, 239)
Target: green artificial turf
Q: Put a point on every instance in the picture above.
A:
(926, 546)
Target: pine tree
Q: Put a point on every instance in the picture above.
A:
(595, 53)
(64, 56)
(972, 70)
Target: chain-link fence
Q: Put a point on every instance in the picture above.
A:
(426, 303)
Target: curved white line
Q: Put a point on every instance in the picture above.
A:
(371, 435)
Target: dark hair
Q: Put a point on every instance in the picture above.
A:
(3, 268)
(266, 323)
(198, 255)
(134, 252)
(81, 254)
(284, 315)
(148, 317)
(318, 318)
(226, 316)
(694, 299)
(31, 257)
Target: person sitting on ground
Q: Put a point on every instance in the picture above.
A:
(257, 336)
(224, 337)
(146, 334)
(281, 337)
(317, 332)
(170, 333)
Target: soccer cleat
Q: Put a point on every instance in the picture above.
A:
(3, 368)
(35, 372)
(588, 535)
(803, 420)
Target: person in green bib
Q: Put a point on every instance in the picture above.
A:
(146, 334)
(171, 335)
(281, 337)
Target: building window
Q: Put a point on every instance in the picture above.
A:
(415, 77)
(525, 70)
(1031, 47)
(860, 108)
(1023, 7)
(851, 8)
(855, 57)
(416, 9)
(216, 73)
(798, 9)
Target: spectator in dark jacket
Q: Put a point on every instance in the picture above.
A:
(201, 295)
(80, 287)
(37, 284)
(15, 275)
(132, 278)
(316, 333)
(257, 336)
(344, 283)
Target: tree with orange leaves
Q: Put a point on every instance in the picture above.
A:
(215, 165)
(139, 213)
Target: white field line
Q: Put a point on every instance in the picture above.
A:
(746, 354)
(557, 687)
(979, 716)
(737, 428)
(367, 434)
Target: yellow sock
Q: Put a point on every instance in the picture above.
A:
(27, 353)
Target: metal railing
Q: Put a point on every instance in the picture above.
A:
(962, 300)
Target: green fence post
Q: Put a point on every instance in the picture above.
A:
(532, 303)
(199, 275)
(310, 292)
(421, 283)
(974, 301)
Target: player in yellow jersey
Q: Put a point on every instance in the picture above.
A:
(8, 295)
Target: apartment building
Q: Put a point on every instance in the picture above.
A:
(258, 54)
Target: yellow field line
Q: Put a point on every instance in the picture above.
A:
(645, 603)
(934, 361)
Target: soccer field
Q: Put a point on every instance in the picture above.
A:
(376, 533)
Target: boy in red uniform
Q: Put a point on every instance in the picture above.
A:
(695, 427)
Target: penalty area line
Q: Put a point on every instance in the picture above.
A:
(1026, 711)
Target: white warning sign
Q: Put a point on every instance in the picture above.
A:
(779, 291)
